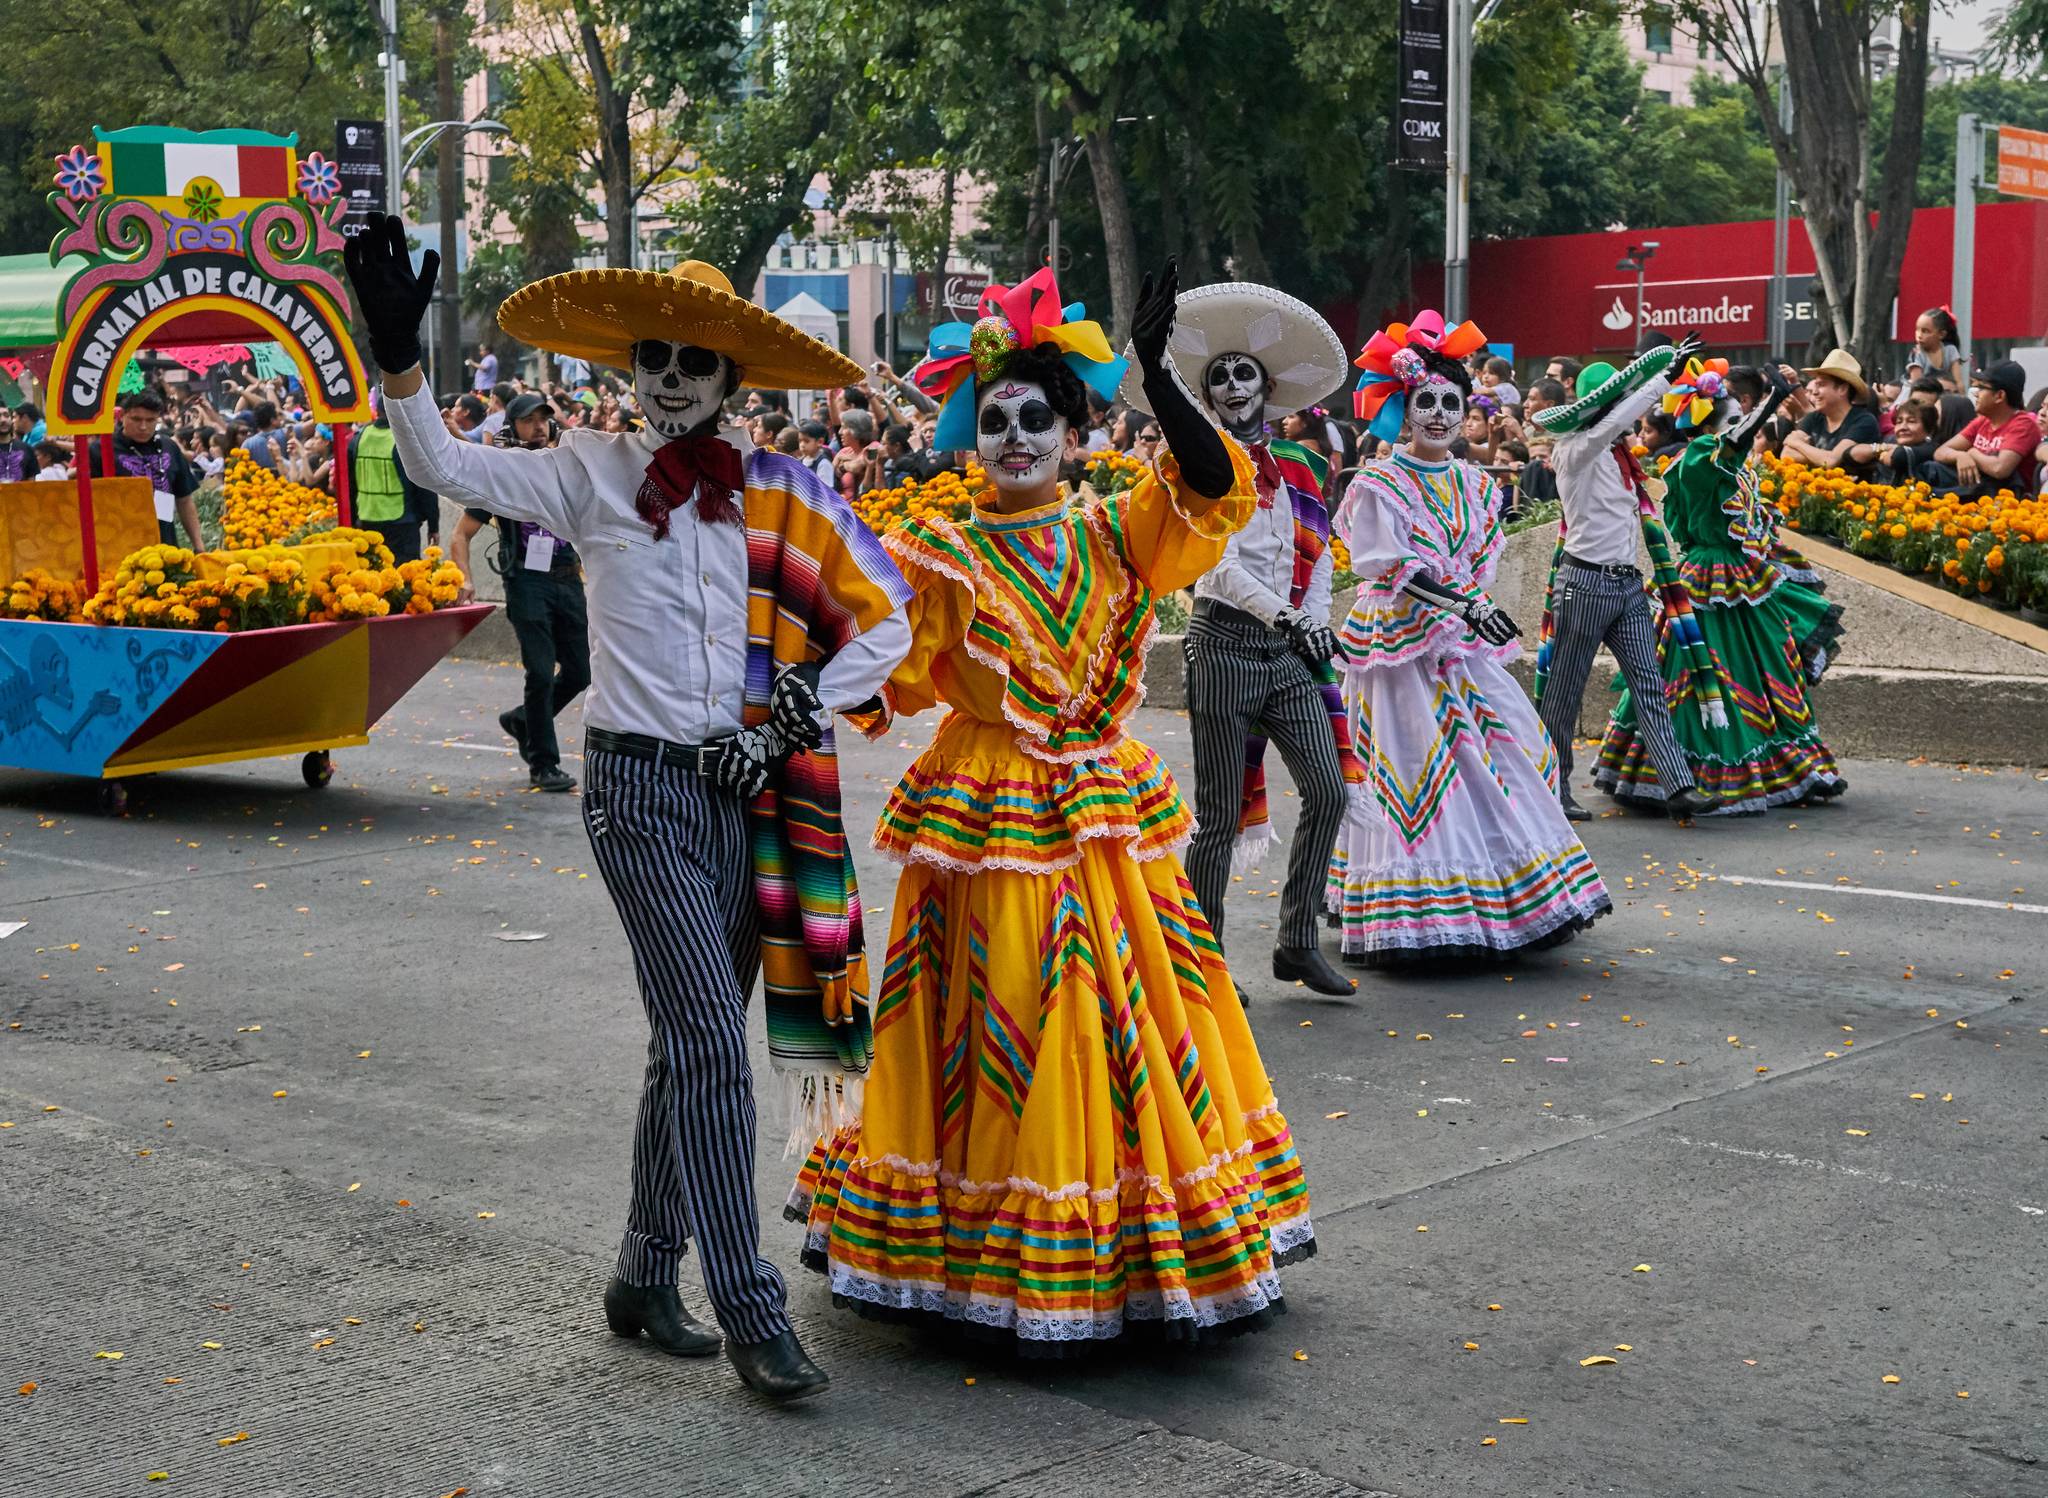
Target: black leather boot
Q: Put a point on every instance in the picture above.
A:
(1308, 965)
(1573, 812)
(658, 1310)
(1688, 803)
(777, 1368)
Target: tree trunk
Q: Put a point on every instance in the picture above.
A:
(1200, 264)
(1887, 247)
(1389, 278)
(1119, 238)
(448, 370)
(614, 144)
(1032, 253)
(1248, 257)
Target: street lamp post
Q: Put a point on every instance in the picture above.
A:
(427, 135)
(1065, 155)
(1637, 259)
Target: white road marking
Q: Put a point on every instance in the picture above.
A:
(1885, 894)
(469, 748)
(7, 852)
(1780, 1157)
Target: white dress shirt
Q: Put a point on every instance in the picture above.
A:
(1601, 522)
(668, 618)
(1257, 570)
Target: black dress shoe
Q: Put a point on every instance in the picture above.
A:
(1308, 965)
(658, 1310)
(1573, 812)
(551, 778)
(777, 1368)
(1689, 802)
(513, 721)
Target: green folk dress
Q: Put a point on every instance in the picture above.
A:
(1769, 631)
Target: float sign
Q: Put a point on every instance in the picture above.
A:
(1419, 93)
(359, 156)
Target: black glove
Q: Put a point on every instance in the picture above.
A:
(747, 759)
(1489, 621)
(1685, 348)
(1195, 444)
(1307, 636)
(390, 298)
(794, 705)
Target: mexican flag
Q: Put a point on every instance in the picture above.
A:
(155, 162)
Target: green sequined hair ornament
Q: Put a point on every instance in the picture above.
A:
(991, 344)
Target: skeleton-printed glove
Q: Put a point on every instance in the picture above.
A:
(1489, 621)
(747, 759)
(794, 707)
(1685, 348)
(390, 297)
(1309, 638)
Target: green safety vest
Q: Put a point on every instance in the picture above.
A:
(380, 493)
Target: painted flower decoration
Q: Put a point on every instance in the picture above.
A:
(1392, 365)
(319, 180)
(80, 175)
(203, 199)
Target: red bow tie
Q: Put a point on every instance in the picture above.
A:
(1265, 475)
(706, 468)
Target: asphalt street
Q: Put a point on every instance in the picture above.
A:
(314, 1107)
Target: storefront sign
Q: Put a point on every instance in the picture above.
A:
(1419, 95)
(1728, 311)
(2022, 162)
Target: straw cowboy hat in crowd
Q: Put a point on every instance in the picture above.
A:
(598, 315)
(1844, 366)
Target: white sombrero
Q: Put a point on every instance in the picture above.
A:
(1299, 350)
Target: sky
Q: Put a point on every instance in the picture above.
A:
(1962, 24)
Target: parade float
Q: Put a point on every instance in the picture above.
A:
(122, 656)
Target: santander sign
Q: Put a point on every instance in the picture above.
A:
(1737, 315)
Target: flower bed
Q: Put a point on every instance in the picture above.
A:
(1994, 549)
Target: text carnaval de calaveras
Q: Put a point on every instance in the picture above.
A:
(117, 315)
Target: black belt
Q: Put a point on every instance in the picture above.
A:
(1216, 611)
(699, 759)
(1608, 569)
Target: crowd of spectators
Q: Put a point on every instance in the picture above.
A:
(1939, 422)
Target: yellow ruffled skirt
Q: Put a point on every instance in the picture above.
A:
(1068, 1133)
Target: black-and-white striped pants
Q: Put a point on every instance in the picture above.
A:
(672, 850)
(1589, 607)
(1243, 679)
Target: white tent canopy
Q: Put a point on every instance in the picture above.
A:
(811, 316)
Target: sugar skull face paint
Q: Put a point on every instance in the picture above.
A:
(679, 385)
(1018, 435)
(1436, 408)
(1234, 388)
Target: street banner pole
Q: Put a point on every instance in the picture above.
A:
(1781, 233)
(1962, 293)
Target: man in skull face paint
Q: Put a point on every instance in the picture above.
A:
(735, 604)
(1259, 646)
(1597, 591)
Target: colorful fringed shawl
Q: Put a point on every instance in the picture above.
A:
(1679, 630)
(1304, 472)
(816, 579)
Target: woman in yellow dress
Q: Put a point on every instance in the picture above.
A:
(1068, 1134)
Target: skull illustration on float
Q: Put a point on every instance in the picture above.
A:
(679, 385)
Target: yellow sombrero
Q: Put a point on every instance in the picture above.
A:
(598, 315)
